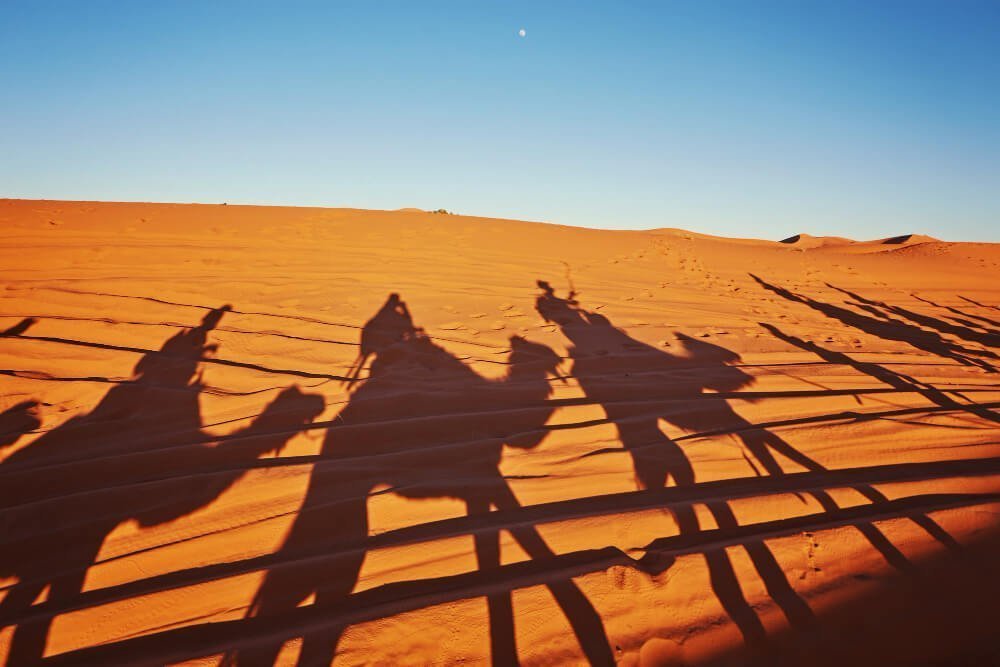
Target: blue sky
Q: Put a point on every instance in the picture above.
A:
(762, 119)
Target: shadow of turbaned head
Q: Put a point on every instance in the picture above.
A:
(390, 325)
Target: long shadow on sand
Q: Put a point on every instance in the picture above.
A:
(883, 311)
(638, 385)
(92, 473)
(889, 328)
(427, 425)
(892, 378)
(965, 317)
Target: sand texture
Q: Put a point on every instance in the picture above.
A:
(252, 435)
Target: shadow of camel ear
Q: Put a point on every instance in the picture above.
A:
(19, 328)
(211, 319)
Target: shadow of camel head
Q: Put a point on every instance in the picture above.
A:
(526, 355)
(19, 328)
(703, 353)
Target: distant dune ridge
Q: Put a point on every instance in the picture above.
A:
(274, 435)
(806, 241)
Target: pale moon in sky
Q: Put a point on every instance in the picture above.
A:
(522, 32)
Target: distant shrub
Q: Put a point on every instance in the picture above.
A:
(442, 211)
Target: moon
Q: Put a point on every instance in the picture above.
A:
(522, 32)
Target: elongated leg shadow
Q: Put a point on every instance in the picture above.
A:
(580, 612)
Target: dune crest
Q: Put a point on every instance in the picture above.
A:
(807, 241)
(907, 238)
(838, 243)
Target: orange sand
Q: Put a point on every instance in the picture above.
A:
(563, 445)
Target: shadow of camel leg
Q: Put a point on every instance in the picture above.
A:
(319, 648)
(927, 523)
(336, 583)
(726, 587)
(27, 645)
(503, 642)
(279, 592)
(760, 445)
(796, 610)
(581, 614)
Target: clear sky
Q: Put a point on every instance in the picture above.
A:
(743, 118)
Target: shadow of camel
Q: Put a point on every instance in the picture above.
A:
(888, 328)
(627, 377)
(880, 308)
(87, 476)
(428, 426)
(964, 317)
(638, 385)
(889, 377)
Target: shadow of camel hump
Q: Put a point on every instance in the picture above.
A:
(428, 426)
(91, 474)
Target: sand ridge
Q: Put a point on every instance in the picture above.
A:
(245, 435)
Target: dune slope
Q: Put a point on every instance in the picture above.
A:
(255, 435)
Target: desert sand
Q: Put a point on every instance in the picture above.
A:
(243, 435)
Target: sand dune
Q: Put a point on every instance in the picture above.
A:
(808, 241)
(256, 435)
(839, 243)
